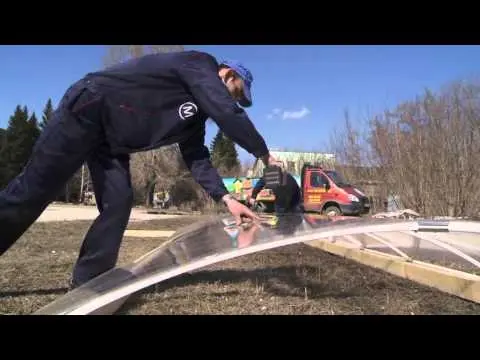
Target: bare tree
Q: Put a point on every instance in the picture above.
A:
(118, 53)
(424, 150)
(160, 168)
(355, 160)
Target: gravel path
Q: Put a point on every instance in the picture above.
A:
(58, 212)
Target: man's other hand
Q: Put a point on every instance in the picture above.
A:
(269, 160)
(238, 210)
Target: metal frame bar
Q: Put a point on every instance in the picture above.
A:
(449, 248)
(387, 243)
(351, 239)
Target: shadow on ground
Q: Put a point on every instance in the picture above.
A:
(36, 292)
(283, 281)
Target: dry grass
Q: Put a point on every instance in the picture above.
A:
(292, 280)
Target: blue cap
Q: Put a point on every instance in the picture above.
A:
(247, 78)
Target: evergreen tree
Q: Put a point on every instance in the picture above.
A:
(34, 129)
(47, 114)
(230, 159)
(19, 139)
(3, 162)
(216, 148)
(3, 137)
(224, 155)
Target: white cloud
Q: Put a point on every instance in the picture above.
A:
(288, 114)
(296, 114)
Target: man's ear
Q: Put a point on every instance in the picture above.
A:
(229, 74)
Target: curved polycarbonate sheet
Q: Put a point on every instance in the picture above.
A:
(218, 239)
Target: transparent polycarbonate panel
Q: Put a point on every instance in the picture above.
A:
(219, 239)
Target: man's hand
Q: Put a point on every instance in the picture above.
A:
(246, 235)
(269, 160)
(239, 210)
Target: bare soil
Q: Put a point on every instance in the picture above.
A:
(297, 279)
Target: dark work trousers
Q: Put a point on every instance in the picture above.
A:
(74, 135)
(114, 197)
(286, 200)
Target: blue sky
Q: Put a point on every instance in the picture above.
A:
(300, 92)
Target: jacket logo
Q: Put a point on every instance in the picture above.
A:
(187, 110)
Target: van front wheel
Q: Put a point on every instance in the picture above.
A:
(332, 210)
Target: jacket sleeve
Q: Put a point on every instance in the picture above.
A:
(197, 158)
(200, 74)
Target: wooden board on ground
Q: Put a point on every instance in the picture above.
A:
(219, 239)
(149, 233)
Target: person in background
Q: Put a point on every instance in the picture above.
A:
(287, 196)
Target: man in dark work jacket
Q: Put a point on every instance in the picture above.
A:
(288, 196)
(141, 104)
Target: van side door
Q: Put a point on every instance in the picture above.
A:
(316, 186)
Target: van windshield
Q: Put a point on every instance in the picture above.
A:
(337, 178)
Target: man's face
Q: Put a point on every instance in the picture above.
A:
(233, 82)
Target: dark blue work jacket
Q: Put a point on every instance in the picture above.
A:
(166, 98)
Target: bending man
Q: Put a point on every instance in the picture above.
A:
(139, 105)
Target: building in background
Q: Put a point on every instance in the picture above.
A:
(294, 161)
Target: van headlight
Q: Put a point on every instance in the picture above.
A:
(353, 198)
